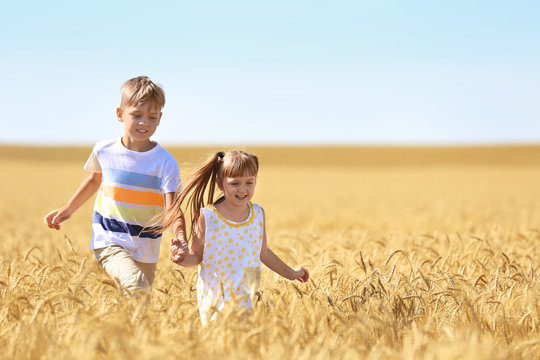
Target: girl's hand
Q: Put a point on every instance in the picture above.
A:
(302, 274)
(178, 250)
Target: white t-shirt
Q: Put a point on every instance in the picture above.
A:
(132, 188)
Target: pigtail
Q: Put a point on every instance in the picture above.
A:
(192, 194)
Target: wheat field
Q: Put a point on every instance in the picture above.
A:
(414, 253)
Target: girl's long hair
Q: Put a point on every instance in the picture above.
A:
(191, 193)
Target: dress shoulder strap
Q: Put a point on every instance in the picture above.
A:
(207, 211)
(258, 210)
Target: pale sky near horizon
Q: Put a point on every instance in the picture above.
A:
(294, 72)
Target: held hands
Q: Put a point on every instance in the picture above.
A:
(56, 217)
(301, 274)
(178, 250)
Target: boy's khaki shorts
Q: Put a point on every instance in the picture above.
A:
(133, 276)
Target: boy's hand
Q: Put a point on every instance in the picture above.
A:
(178, 250)
(56, 217)
(302, 275)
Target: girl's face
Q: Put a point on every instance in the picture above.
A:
(238, 191)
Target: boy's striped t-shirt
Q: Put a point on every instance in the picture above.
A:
(131, 194)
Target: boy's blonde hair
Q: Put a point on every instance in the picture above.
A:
(140, 91)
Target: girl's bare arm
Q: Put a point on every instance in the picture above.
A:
(274, 263)
(195, 255)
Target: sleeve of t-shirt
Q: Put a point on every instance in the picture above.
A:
(171, 176)
(92, 164)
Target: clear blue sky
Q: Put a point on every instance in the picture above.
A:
(296, 71)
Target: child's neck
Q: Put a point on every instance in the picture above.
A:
(138, 146)
(232, 212)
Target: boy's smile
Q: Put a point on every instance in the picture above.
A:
(140, 123)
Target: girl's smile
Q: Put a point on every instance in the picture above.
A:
(238, 191)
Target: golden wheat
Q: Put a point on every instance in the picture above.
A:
(413, 253)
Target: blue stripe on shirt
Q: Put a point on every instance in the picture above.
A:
(121, 227)
(131, 178)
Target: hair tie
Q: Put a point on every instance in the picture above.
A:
(221, 154)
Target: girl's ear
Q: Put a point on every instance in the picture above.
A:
(219, 183)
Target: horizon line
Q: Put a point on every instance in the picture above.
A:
(297, 144)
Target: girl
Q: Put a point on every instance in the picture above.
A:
(228, 235)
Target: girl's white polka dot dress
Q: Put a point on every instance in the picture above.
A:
(231, 264)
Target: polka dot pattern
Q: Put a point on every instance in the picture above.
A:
(231, 267)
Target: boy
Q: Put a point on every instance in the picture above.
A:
(136, 178)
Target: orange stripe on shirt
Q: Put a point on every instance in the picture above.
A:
(133, 196)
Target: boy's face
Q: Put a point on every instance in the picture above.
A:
(140, 122)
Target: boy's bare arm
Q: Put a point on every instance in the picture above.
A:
(178, 248)
(88, 187)
(179, 227)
